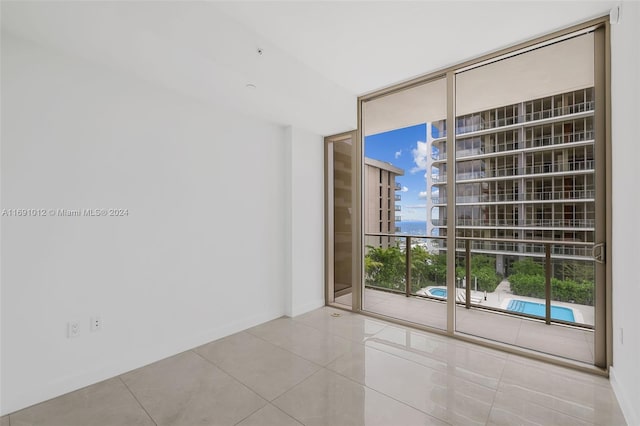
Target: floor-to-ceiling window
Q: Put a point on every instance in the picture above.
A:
(483, 195)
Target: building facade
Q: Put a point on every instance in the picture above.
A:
(523, 172)
(381, 192)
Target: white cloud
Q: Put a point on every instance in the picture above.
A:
(404, 189)
(419, 156)
(398, 154)
(423, 195)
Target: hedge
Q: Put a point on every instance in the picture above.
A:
(561, 290)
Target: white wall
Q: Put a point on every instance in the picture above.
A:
(625, 58)
(199, 256)
(305, 233)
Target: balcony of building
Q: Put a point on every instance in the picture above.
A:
(489, 309)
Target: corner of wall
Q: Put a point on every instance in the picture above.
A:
(631, 415)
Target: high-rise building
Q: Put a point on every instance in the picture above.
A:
(524, 171)
(381, 193)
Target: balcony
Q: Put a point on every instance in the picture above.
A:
(529, 117)
(558, 112)
(397, 186)
(510, 197)
(398, 219)
(542, 223)
(439, 156)
(398, 207)
(541, 169)
(417, 293)
(560, 139)
(398, 197)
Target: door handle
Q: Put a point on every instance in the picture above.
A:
(598, 252)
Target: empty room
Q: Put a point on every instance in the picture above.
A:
(319, 213)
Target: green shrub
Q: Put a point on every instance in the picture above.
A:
(527, 266)
(483, 268)
(561, 290)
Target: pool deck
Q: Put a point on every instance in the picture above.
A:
(501, 297)
(564, 341)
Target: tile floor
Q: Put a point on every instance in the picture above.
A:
(330, 367)
(568, 342)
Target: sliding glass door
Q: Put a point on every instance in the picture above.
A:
(480, 195)
(405, 274)
(526, 222)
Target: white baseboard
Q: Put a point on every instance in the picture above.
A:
(630, 412)
(129, 361)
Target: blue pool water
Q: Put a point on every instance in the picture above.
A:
(537, 309)
(438, 292)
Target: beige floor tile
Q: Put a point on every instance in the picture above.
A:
(439, 394)
(105, 403)
(467, 361)
(310, 343)
(265, 368)
(376, 373)
(536, 339)
(327, 398)
(340, 323)
(501, 328)
(269, 416)
(578, 395)
(188, 390)
(556, 330)
(509, 410)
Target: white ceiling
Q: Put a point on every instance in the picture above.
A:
(318, 56)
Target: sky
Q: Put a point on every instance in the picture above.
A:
(407, 149)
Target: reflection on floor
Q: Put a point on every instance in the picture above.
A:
(331, 367)
(568, 342)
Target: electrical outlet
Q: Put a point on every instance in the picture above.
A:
(73, 329)
(96, 323)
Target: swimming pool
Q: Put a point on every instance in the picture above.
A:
(537, 309)
(438, 292)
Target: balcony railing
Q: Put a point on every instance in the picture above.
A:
(578, 194)
(398, 218)
(525, 248)
(398, 197)
(574, 195)
(543, 223)
(398, 207)
(527, 170)
(529, 143)
(560, 111)
(406, 273)
(525, 118)
(397, 186)
(439, 178)
(439, 156)
(559, 139)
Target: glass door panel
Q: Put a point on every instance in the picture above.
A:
(341, 228)
(525, 161)
(404, 255)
